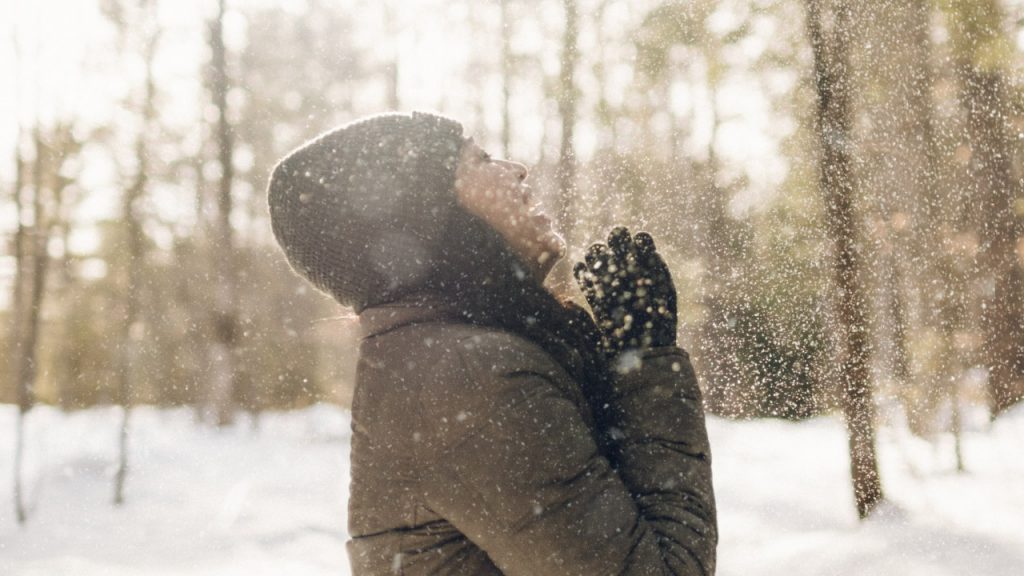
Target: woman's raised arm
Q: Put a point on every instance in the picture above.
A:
(521, 475)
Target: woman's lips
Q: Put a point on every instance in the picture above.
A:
(535, 211)
(526, 193)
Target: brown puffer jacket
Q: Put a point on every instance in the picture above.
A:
(474, 453)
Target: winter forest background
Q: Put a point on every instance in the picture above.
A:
(838, 187)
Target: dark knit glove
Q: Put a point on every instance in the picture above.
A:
(631, 292)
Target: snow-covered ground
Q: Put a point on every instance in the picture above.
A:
(272, 501)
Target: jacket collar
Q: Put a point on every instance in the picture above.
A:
(413, 309)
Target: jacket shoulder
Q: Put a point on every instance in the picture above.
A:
(441, 348)
(456, 377)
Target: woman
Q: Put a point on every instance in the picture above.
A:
(496, 430)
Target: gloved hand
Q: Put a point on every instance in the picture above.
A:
(631, 292)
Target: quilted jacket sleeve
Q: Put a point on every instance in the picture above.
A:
(518, 471)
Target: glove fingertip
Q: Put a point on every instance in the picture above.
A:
(644, 242)
(619, 240)
(579, 272)
(594, 251)
(618, 232)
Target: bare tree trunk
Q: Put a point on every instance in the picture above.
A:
(478, 67)
(27, 369)
(196, 333)
(506, 80)
(832, 76)
(392, 67)
(22, 388)
(128, 351)
(46, 187)
(567, 112)
(897, 312)
(134, 243)
(31, 251)
(986, 97)
(605, 114)
(224, 317)
(1004, 310)
(941, 280)
(19, 457)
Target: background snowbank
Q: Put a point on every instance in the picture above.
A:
(272, 501)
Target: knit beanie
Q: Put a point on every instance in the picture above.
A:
(360, 210)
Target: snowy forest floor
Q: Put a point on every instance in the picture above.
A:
(272, 501)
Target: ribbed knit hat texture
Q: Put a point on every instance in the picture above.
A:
(360, 210)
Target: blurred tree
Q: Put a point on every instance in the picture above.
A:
(890, 174)
(393, 67)
(139, 30)
(603, 113)
(756, 273)
(744, 351)
(23, 391)
(506, 80)
(52, 147)
(781, 326)
(567, 112)
(284, 105)
(830, 29)
(911, 189)
(85, 365)
(788, 268)
(982, 55)
(219, 403)
(299, 75)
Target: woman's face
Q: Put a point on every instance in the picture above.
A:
(496, 192)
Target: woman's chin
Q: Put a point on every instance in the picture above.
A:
(558, 246)
(552, 250)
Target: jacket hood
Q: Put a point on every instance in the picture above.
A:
(361, 210)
